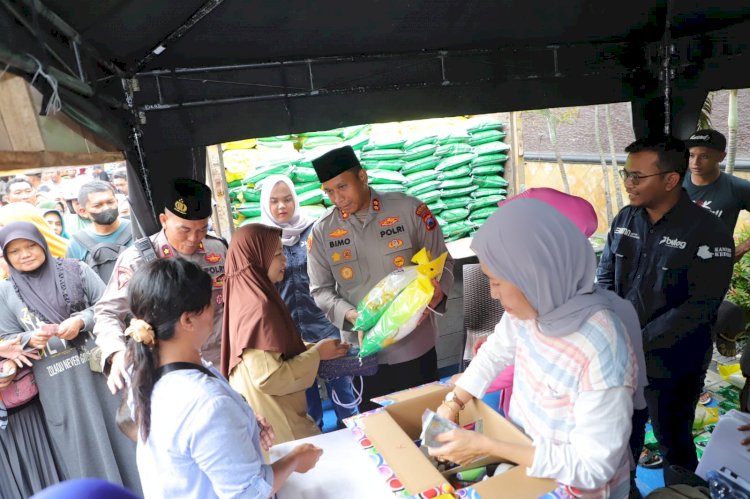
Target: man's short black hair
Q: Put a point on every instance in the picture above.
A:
(19, 179)
(90, 188)
(672, 154)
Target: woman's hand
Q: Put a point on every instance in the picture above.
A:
(7, 367)
(461, 446)
(448, 412)
(13, 351)
(306, 456)
(267, 434)
(331, 349)
(39, 339)
(745, 441)
(69, 328)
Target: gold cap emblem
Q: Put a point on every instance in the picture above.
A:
(180, 206)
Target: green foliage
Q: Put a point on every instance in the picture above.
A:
(739, 288)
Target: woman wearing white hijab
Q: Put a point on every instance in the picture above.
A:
(576, 368)
(280, 208)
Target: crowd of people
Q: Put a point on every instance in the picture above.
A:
(170, 365)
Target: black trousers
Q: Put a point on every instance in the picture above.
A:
(394, 377)
(671, 405)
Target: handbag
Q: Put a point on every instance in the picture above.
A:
(348, 365)
(21, 390)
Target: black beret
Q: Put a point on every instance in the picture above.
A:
(189, 199)
(334, 163)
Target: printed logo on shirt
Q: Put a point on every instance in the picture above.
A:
(425, 214)
(704, 252)
(395, 243)
(338, 233)
(376, 204)
(347, 254)
(672, 243)
(387, 222)
(213, 258)
(720, 252)
(704, 203)
(399, 261)
(218, 281)
(627, 232)
(336, 257)
(346, 273)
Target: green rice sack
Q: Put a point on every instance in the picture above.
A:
(355, 130)
(453, 149)
(277, 166)
(461, 191)
(307, 186)
(456, 183)
(336, 132)
(390, 165)
(485, 201)
(249, 209)
(436, 206)
(440, 221)
(478, 221)
(428, 163)
(491, 148)
(488, 191)
(454, 215)
(461, 171)
(429, 197)
(326, 202)
(483, 212)
(321, 140)
(303, 174)
(249, 195)
(490, 181)
(453, 138)
(357, 143)
(488, 159)
(484, 136)
(313, 210)
(314, 196)
(276, 138)
(419, 177)
(456, 161)
(417, 190)
(484, 124)
(384, 144)
(386, 177)
(488, 169)
(250, 220)
(421, 141)
(457, 229)
(380, 154)
(390, 187)
(457, 202)
(419, 152)
(235, 183)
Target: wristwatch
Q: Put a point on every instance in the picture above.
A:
(452, 397)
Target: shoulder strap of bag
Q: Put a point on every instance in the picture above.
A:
(176, 366)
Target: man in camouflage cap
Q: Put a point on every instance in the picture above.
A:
(185, 234)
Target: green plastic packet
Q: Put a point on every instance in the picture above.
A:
(482, 212)
(457, 183)
(484, 136)
(419, 152)
(490, 181)
(485, 201)
(454, 215)
(386, 177)
(461, 171)
(303, 174)
(453, 149)
(423, 188)
(492, 169)
(313, 196)
(429, 197)
(489, 159)
(420, 141)
(460, 191)
(457, 202)
(417, 178)
(390, 187)
(428, 163)
(381, 154)
(307, 186)
(391, 165)
(491, 148)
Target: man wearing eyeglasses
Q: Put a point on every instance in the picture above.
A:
(672, 260)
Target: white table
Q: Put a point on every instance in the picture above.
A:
(343, 471)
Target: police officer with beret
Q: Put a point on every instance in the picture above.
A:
(185, 234)
(357, 242)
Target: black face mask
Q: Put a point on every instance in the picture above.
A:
(105, 217)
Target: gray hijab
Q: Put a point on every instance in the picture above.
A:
(532, 245)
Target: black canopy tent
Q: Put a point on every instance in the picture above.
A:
(163, 78)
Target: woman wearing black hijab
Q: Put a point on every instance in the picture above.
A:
(79, 411)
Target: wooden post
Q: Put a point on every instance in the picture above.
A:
(517, 181)
(223, 213)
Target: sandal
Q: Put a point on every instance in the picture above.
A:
(705, 398)
(650, 459)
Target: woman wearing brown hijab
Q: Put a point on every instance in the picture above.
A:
(262, 353)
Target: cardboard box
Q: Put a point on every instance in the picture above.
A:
(388, 434)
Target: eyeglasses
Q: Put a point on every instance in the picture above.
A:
(636, 178)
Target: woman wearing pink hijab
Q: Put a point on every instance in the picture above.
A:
(582, 214)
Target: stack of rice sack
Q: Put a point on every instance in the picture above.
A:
(455, 166)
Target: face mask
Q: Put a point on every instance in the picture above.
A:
(105, 217)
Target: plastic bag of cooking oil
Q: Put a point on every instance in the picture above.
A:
(404, 312)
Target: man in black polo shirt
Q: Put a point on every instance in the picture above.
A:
(673, 260)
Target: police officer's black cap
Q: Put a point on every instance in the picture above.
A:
(334, 163)
(189, 199)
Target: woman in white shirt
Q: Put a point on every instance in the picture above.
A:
(197, 438)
